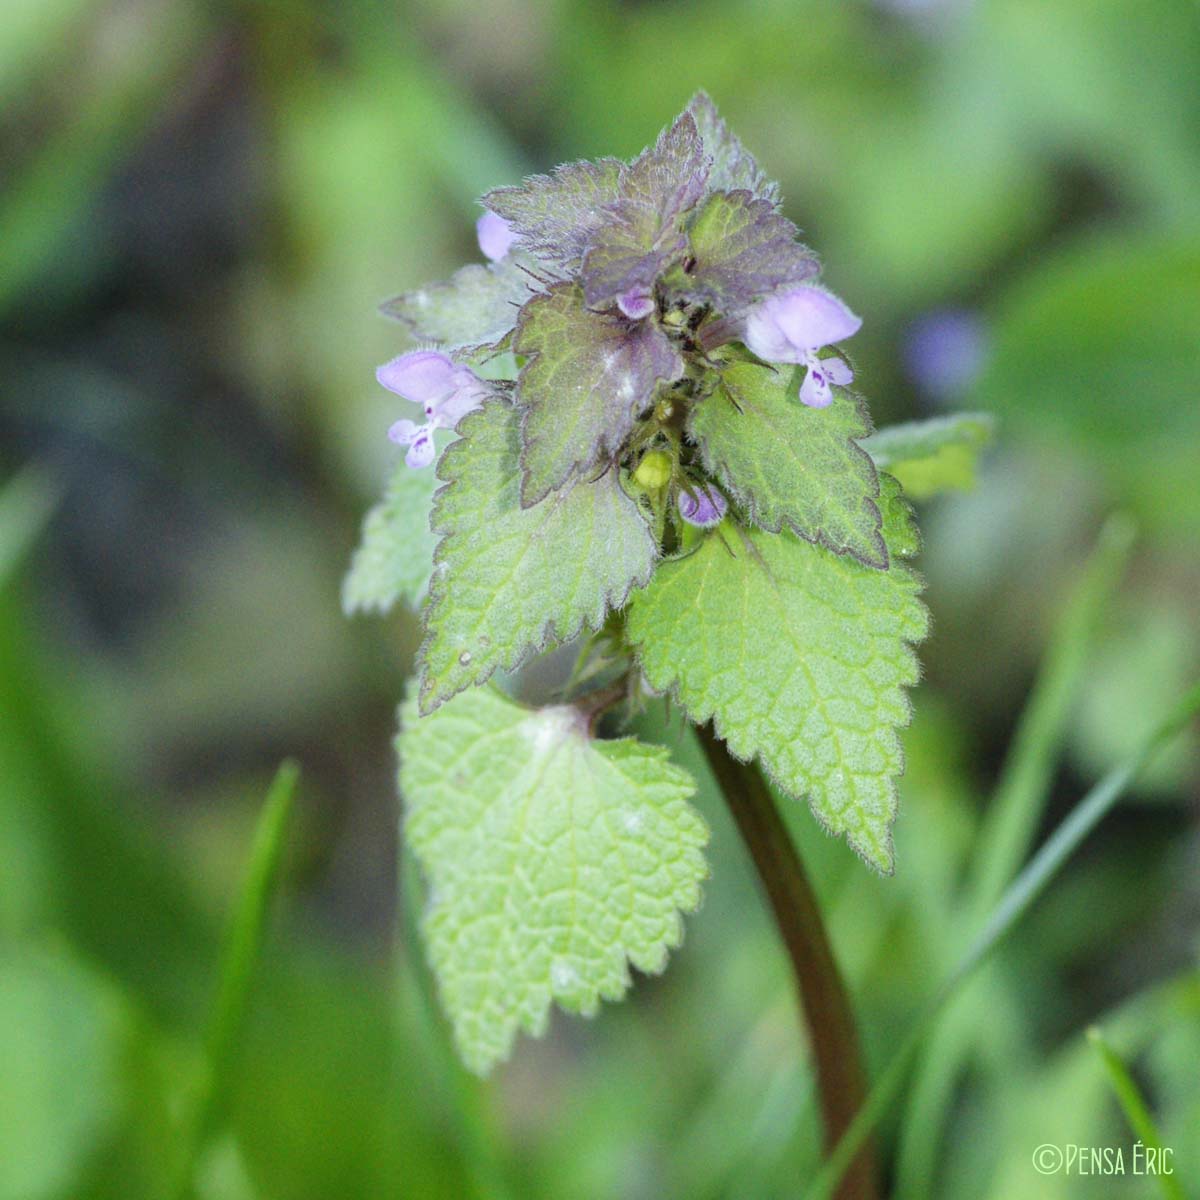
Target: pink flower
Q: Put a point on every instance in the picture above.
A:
(793, 326)
(495, 235)
(445, 390)
(704, 508)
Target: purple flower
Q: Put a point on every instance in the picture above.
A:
(445, 390)
(704, 507)
(793, 326)
(636, 303)
(495, 234)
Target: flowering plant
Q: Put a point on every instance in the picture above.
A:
(646, 443)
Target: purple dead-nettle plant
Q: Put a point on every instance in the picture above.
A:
(645, 447)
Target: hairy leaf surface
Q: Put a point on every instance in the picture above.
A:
(553, 862)
(641, 231)
(587, 377)
(476, 307)
(733, 166)
(800, 658)
(933, 456)
(791, 465)
(555, 216)
(743, 250)
(509, 580)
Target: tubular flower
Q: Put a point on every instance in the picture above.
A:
(704, 508)
(793, 326)
(495, 234)
(444, 389)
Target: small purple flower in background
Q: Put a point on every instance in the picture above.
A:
(793, 326)
(495, 235)
(944, 350)
(445, 390)
(636, 303)
(705, 508)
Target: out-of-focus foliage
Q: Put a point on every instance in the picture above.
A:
(200, 207)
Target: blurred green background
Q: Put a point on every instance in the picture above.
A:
(200, 207)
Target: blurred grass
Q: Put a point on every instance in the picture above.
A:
(1133, 1104)
(200, 206)
(243, 949)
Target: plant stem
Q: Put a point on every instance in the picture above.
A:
(831, 1030)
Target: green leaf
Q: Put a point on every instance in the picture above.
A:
(553, 861)
(556, 215)
(743, 249)
(587, 377)
(801, 659)
(477, 307)
(902, 535)
(933, 456)
(509, 580)
(394, 558)
(791, 465)
(733, 166)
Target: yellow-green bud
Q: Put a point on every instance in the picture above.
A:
(654, 471)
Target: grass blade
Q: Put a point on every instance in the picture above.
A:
(243, 947)
(1012, 906)
(1008, 827)
(27, 502)
(1129, 1096)
(1013, 815)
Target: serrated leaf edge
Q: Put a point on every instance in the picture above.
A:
(747, 502)
(536, 1025)
(548, 634)
(698, 717)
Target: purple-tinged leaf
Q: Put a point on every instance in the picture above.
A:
(555, 216)
(587, 377)
(642, 232)
(733, 166)
(741, 250)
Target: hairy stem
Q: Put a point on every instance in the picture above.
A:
(831, 1030)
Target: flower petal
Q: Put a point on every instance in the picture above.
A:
(705, 508)
(423, 376)
(837, 370)
(783, 328)
(469, 392)
(636, 304)
(421, 452)
(495, 234)
(766, 338)
(815, 390)
(813, 317)
(404, 432)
